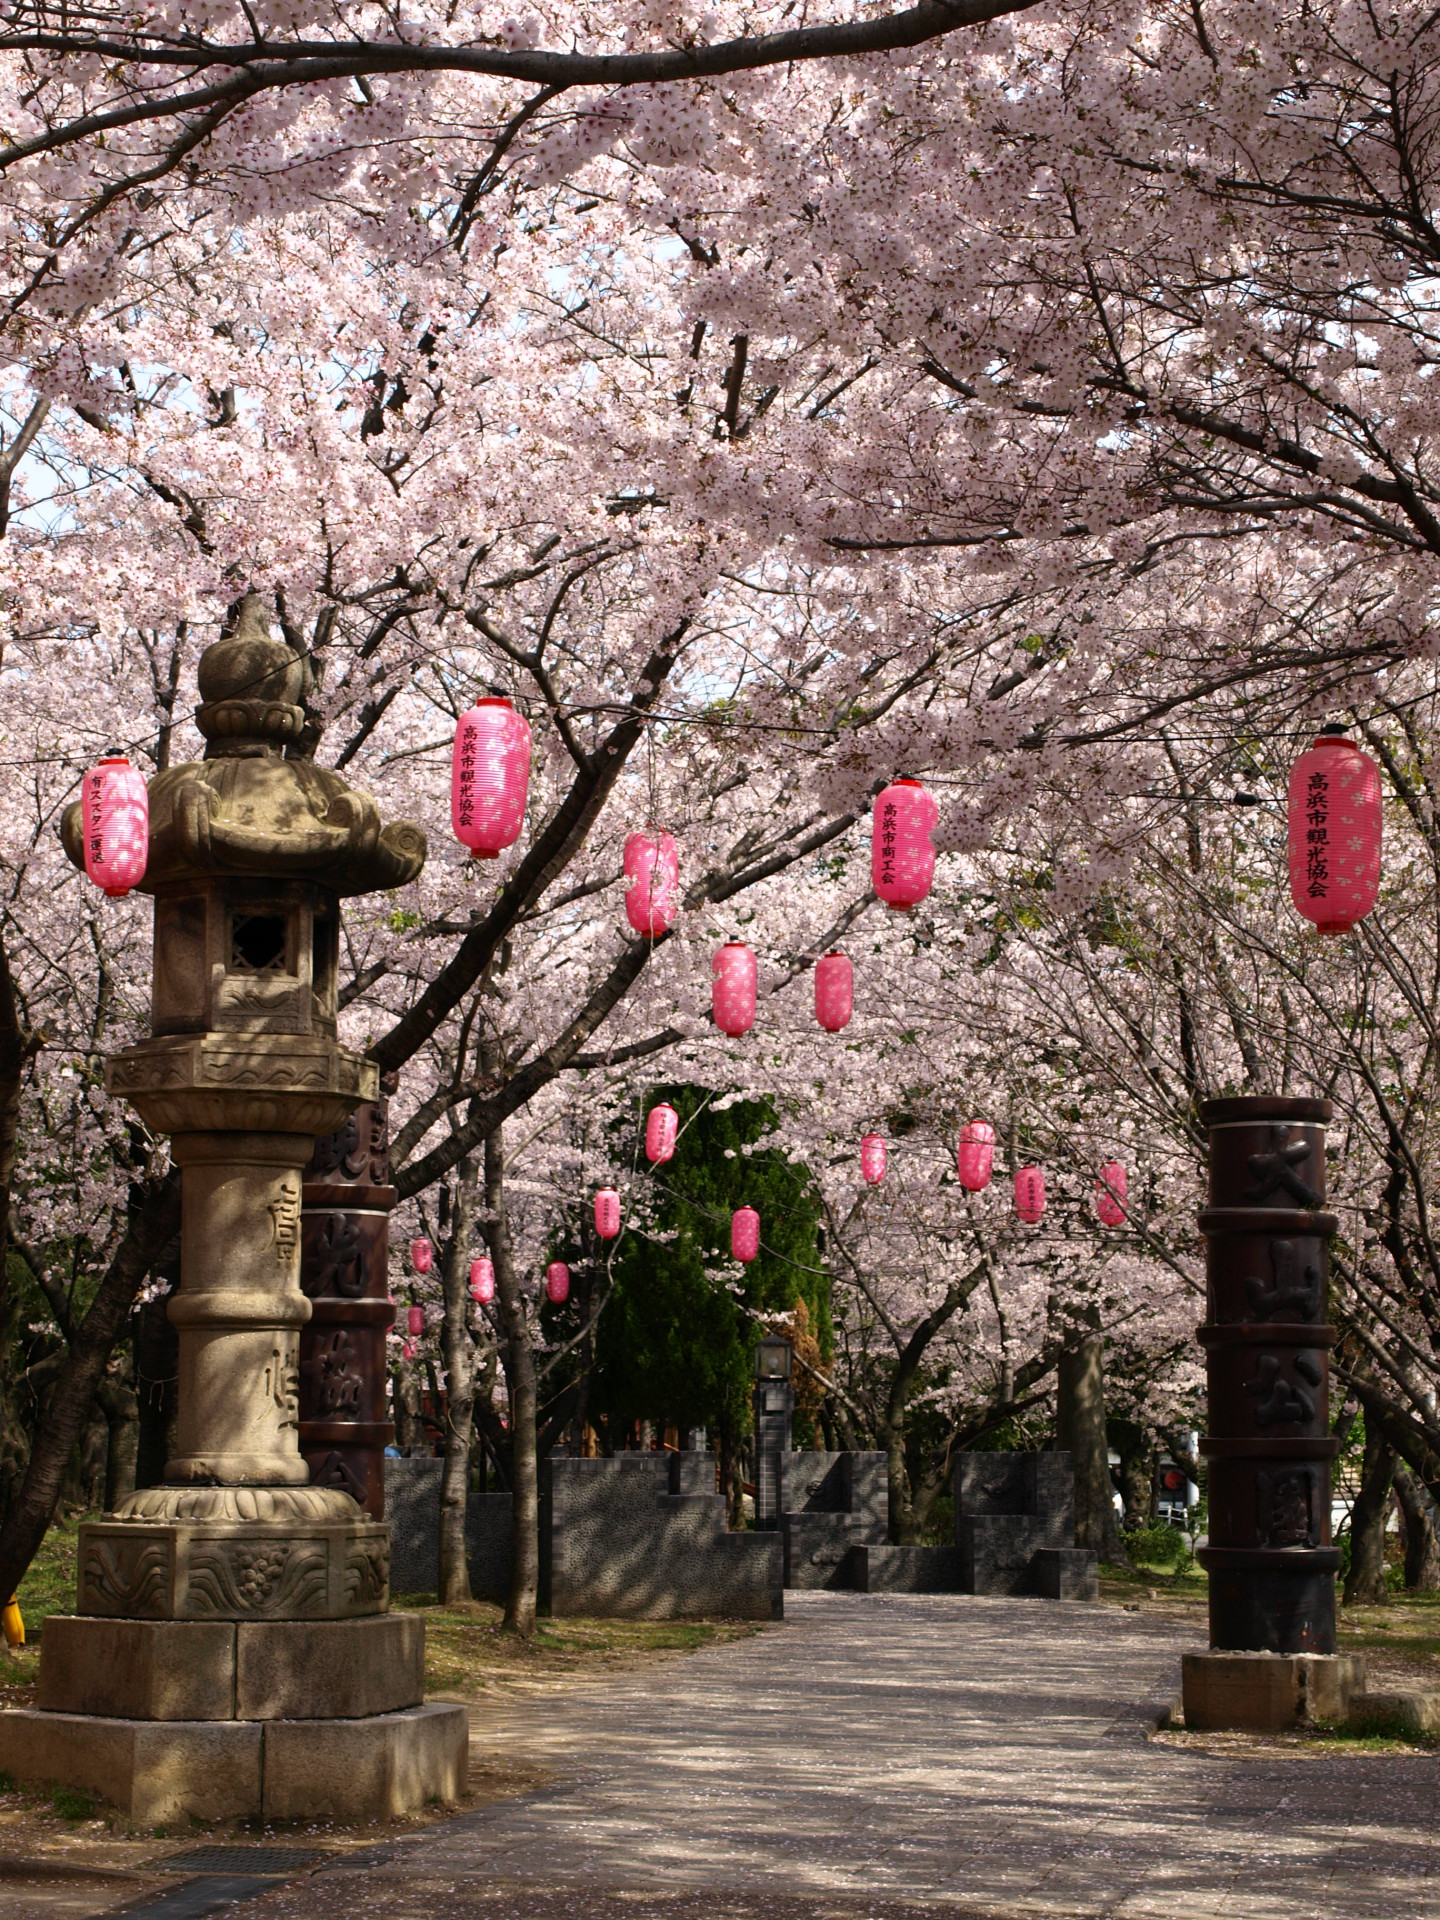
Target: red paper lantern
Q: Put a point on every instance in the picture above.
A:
(408, 1350)
(482, 1279)
(607, 1213)
(1335, 833)
(415, 1322)
(872, 1159)
(745, 1233)
(489, 777)
(115, 816)
(652, 875)
(902, 859)
(557, 1282)
(1030, 1194)
(975, 1157)
(661, 1130)
(834, 991)
(732, 995)
(1110, 1194)
(422, 1256)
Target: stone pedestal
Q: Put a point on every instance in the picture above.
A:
(1268, 1692)
(232, 1653)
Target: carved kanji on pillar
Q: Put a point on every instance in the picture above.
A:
(344, 1259)
(1271, 1565)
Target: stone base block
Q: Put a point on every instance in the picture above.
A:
(373, 1769)
(1065, 1573)
(211, 1569)
(224, 1670)
(907, 1569)
(377, 1768)
(153, 1771)
(1395, 1712)
(1267, 1692)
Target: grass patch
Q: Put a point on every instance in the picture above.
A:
(467, 1653)
(50, 1579)
(71, 1804)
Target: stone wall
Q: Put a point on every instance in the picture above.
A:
(830, 1504)
(640, 1536)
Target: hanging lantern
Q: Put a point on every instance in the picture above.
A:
(557, 1283)
(745, 1233)
(976, 1155)
(482, 1279)
(1335, 832)
(652, 882)
(661, 1130)
(732, 996)
(834, 991)
(607, 1213)
(489, 777)
(422, 1256)
(1110, 1194)
(872, 1159)
(407, 1352)
(415, 1322)
(115, 817)
(902, 859)
(1030, 1194)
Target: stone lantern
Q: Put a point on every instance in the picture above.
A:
(232, 1652)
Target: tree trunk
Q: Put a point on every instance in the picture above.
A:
(409, 1426)
(1080, 1431)
(1365, 1582)
(459, 1392)
(729, 1476)
(520, 1375)
(899, 1484)
(152, 1227)
(1422, 1549)
(120, 1404)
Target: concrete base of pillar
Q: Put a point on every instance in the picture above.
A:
(1395, 1712)
(154, 1771)
(1268, 1692)
(232, 1670)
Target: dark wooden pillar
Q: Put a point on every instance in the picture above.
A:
(1271, 1565)
(344, 1268)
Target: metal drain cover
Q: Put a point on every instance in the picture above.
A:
(276, 1860)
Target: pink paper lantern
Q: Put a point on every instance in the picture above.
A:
(732, 996)
(557, 1283)
(115, 816)
(422, 1256)
(872, 1159)
(661, 1130)
(902, 859)
(1335, 833)
(834, 991)
(652, 877)
(408, 1350)
(607, 1213)
(976, 1155)
(489, 777)
(482, 1279)
(415, 1322)
(1030, 1194)
(745, 1233)
(1110, 1194)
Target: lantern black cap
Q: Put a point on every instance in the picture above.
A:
(1334, 726)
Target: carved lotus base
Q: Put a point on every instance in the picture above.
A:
(280, 1568)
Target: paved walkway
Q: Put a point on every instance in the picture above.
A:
(878, 1755)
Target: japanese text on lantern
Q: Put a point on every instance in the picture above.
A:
(1317, 836)
(887, 841)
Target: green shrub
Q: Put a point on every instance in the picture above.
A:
(1158, 1546)
(71, 1804)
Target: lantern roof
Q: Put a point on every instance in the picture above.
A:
(247, 810)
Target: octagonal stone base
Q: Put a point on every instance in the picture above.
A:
(280, 1569)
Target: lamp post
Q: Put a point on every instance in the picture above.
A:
(774, 1406)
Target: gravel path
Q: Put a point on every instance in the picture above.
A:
(878, 1756)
